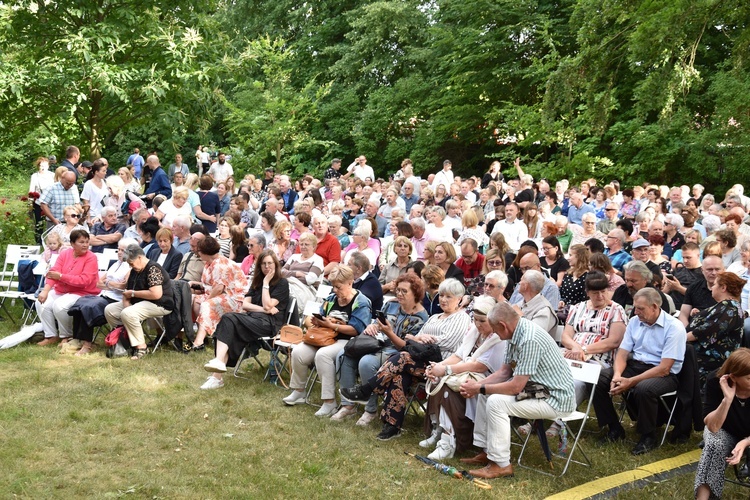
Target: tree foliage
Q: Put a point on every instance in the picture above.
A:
(643, 91)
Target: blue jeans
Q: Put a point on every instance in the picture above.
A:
(367, 367)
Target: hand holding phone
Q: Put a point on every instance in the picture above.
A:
(318, 316)
(380, 315)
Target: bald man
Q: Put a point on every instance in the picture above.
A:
(550, 291)
(159, 180)
(62, 194)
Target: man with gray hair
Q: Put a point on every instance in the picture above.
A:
(181, 231)
(420, 238)
(531, 357)
(615, 243)
(646, 366)
(138, 218)
(610, 218)
(637, 277)
(328, 247)
(578, 208)
(108, 232)
(191, 266)
(534, 306)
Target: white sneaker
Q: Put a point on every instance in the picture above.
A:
(326, 410)
(215, 366)
(366, 418)
(431, 441)
(445, 449)
(295, 398)
(344, 413)
(213, 383)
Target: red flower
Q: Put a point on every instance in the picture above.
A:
(24, 198)
(2, 202)
(8, 214)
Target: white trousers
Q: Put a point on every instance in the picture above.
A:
(54, 314)
(492, 424)
(325, 362)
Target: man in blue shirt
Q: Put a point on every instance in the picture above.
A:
(137, 161)
(409, 197)
(159, 180)
(578, 208)
(656, 341)
(615, 242)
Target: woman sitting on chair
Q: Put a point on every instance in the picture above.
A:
(449, 418)
(303, 270)
(727, 424)
(88, 311)
(263, 313)
(394, 378)
(347, 312)
(220, 291)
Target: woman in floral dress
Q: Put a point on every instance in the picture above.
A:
(221, 289)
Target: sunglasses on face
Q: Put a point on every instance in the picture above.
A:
(75, 216)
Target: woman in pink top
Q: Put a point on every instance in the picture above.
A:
(74, 274)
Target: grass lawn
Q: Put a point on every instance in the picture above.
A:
(93, 427)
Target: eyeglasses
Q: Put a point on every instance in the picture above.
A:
(495, 262)
(401, 291)
(75, 216)
(589, 222)
(610, 210)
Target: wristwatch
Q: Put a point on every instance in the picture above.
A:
(448, 370)
(585, 351)
(481, 389)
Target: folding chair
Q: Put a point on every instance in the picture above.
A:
(587, 373)
(10, 280)
(417, 398)
(664, 403)
(269, 344)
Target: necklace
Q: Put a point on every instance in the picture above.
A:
(742, 402)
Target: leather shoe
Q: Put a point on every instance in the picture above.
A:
(646, 444)
(492, 471)
(480, 459)
(612, 436)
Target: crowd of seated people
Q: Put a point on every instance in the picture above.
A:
(450, 275)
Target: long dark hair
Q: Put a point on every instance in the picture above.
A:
(258, 272)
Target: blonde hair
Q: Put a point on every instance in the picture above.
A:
(181, 192)
(341, 274)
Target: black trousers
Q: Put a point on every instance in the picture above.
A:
(643, 399)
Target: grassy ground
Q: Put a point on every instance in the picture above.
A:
(94, 427)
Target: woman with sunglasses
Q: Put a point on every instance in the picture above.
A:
(72, 221)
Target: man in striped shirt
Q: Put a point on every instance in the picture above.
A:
(531, 356)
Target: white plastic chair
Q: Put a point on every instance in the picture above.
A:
(587, 373)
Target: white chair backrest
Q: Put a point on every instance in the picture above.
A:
(111, 253)
(584, 372)
(13, 255)
(323, 292)
(103, 261)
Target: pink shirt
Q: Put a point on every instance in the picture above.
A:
(79, 275)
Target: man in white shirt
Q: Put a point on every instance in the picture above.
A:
(221, 170)
(392, 200)
(468, 193)
(514, 230)
(361, 170)
(444, 177)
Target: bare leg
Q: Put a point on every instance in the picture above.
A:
(703, 493)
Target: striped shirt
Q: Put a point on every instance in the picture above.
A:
(449, 330)
(533, 352)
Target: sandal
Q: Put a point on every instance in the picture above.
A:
(139, 353)
(553, 430)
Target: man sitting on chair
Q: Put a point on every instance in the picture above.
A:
(657, 343)
(531, 356)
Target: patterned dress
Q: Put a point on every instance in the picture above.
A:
(718, 332)
(591, 325)
(221, 271)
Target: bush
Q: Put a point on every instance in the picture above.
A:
(16, 223)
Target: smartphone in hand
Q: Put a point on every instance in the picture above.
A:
(380, 315)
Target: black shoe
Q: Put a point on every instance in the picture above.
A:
(389, 432)
(646, 444)
(178, 345)
(201, 347)
(674, 438)
(357, 394)
(612, 436)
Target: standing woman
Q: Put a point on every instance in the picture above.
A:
(95, 190)
(131, 184)
(262, 313)
(573, 288)
(41, 180)
(210, 204)
(222, 288)
(727, 420)
(492, 175)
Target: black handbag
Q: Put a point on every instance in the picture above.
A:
(423, 353)
(362, 344)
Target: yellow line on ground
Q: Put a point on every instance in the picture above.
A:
(607, 483)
